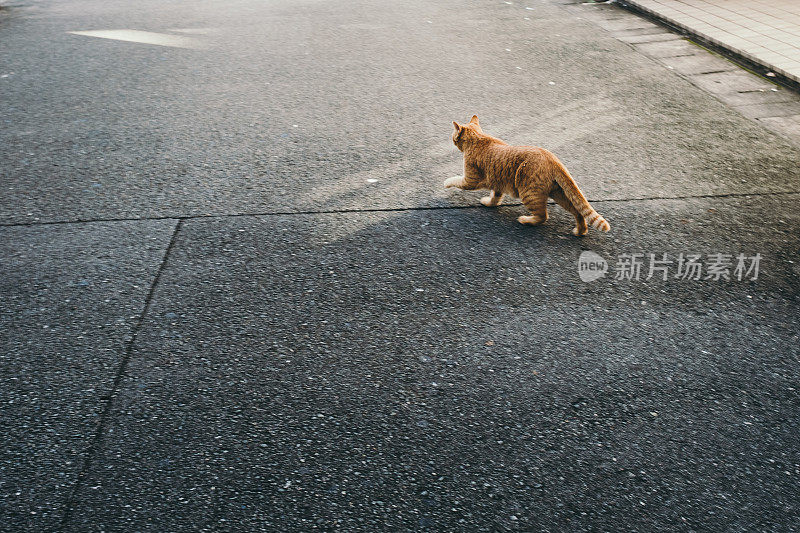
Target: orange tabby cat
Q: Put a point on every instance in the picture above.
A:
(527, 172)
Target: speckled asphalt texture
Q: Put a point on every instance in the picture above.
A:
(235, 296)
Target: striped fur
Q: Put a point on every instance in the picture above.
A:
(578, 200)
(530, 173)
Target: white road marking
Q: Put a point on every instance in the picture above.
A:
(195, 31)
(144, 37)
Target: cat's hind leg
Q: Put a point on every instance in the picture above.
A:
(493, 199)
(562, 200)
(536, 201)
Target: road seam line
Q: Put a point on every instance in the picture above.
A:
(375, 210)
(94, 445)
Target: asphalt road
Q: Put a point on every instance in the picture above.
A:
(235, 296)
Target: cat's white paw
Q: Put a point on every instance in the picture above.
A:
(455, 181)
(487, 201)
(532, 220)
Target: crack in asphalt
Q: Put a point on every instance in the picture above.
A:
(108, 398)
(375, 210)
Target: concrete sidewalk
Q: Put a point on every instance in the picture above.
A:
(764, 32)
(757, 96)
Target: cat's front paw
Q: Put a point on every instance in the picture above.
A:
(579, 232)
(455, 181)
(488, 201)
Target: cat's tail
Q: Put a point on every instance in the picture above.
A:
(578, 200)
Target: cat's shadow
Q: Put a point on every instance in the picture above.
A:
(507, 213)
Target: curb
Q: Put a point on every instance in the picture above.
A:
(745, 59)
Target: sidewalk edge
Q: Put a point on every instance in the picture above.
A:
(748, 61)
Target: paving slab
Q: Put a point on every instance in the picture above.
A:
(674, 48)
(686, 63)
(628, 23)
(447, 369)
(791, 123)
(649, 37)
(784, 109)
(764, 31)
(704, 63)
(70, 295)
(300, 116)
(738, 81)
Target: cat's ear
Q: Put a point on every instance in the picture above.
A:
(459, 131)
(475, 125)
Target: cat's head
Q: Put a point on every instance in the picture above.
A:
(466, 133)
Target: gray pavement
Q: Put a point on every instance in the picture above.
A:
(766, 32)
(72, 295)
(212, 320)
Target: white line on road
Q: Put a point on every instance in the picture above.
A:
(144, 37)
(195, 31)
